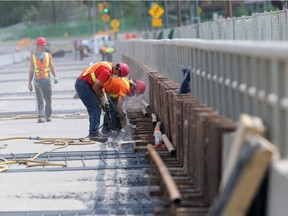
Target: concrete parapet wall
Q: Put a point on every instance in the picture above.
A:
(231, 77)
(138, 71)
(8, 59)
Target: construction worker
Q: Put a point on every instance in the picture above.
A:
(109, 53)
(76, 47)
(41, 65)
(102, 49)
(89, 89)
(118, 89)
(109, 49)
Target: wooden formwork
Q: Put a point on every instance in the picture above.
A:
(216, 128)
(196, 132)
(165, 110)
(155, 80)
(142, 126)
(204, 147)
(177, 116)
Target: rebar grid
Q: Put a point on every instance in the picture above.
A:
(82, 160)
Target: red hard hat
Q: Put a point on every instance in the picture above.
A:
(41, 41)
(140, 87)
(124, 68)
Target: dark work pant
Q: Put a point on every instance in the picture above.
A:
(92, 104)
(43, 98)
(115, 122)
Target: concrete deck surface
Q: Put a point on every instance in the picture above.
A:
(72, 190)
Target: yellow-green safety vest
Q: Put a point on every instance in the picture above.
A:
(42, 69)
(91, 69)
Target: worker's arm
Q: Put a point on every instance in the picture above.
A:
(31, 71)
(97, 88)
(53, 71)
(30, 77)
(122, 116)
(120, 102)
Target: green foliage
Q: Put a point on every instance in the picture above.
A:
(32, 13)
(47, 11)
(11, 12)
(239, 11)
(64, 29)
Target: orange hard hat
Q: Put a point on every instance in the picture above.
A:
(41, 41)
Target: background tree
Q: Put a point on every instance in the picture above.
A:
(36, 12)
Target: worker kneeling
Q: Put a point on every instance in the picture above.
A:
(117, 90)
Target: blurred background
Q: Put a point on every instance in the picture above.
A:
(252, 80)
(29, 19)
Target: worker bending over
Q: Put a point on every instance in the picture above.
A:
(89, 89)
(118, 89)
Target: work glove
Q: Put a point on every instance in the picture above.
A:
(122, 116)
(124, 123)
(104, 103)
(106, 108)
(30, 87)
(56, 80)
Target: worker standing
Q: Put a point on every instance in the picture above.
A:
(76, 47)
(89, 89)
(109, 49)
(41, 65)
(109, 53)
(118, 89)
(102, 49)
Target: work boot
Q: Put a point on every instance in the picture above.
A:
(41, 120)
(105, 132)
(98, 138)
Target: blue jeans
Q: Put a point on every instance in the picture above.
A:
(92, 104)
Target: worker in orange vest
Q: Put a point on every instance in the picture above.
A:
(41, 65)
(102, 51)
(118, 89)
(109, 53)
(89, 89)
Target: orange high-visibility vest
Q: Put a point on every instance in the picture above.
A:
(103, 49)
(116, 95)
(91, 70)
(42, 70)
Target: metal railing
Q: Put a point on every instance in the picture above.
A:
(231, 77)
(259, 26)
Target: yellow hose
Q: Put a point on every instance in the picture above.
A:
(63, 142)
(33, 116)
(18, 117)
(13, 138)
(3, 169)
(8, 162)
(32, 162)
